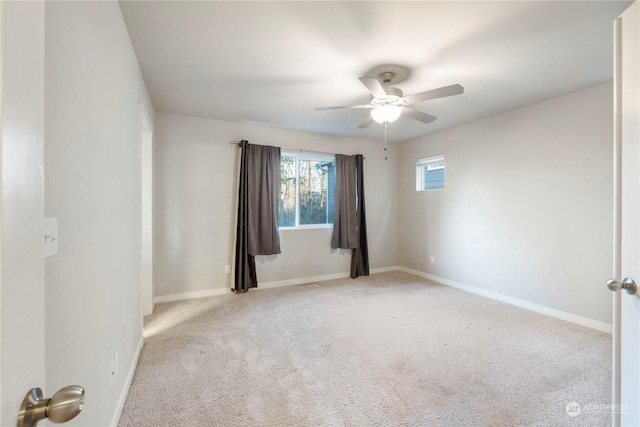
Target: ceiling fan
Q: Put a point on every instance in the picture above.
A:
(387, 102)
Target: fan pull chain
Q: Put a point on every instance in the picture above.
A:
(386, 124)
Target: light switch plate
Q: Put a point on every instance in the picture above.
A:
(50, 236)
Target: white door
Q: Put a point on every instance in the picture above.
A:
(22, 287)
(626, 352)
(22, 195)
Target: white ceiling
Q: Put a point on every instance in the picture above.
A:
(273, 62)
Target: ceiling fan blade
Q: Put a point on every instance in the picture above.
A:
(418, 115)
(366, 122)
(342, 107)
(374, 87)
(435, 93)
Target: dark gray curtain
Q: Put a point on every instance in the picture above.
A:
(360, 254)
(345, 221)
(349, 219)
(245, 271)
(257, 225)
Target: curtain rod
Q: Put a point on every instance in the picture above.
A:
(301, 150)
(298, 150)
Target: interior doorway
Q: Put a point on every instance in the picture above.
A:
(146, 225)
(0, 185)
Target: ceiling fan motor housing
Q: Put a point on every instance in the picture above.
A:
(394, 97)
(393, 92)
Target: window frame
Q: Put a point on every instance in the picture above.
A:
(305, 156)
(425, 162)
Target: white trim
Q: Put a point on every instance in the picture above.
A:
(309, 155)
(145, 113)
(431, 159)
(301, 281)
(563, 315)
(427, 161)
(1, 69)
(558, 314)
(617, 219)
(323, 278)
(146, 211)
(298, 158)
(127, 385)
(305, 227)
(191, 295)
(384, 269)
(265, 285)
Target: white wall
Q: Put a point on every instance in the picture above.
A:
(195, 190)
(527, 207)
(22, 277)
(92, 185)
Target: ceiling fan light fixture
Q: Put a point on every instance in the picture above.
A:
(386, 114)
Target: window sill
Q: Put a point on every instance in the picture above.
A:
(306, 227)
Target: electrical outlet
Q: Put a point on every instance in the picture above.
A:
(113, 368)
(227, 269)
(112, 373)
(432, 259)
(50, 237)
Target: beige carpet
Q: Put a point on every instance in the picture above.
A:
(388, 350)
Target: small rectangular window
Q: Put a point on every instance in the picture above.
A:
(430, 173)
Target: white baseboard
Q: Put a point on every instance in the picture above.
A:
(323, 278)
(265, 285)
(192, 295)
(384, 269)
(301, 281)
(563, 315)
(569, 317)
(127, 384)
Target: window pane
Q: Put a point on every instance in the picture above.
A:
(287, 211)
(433, 177)
(316, 191)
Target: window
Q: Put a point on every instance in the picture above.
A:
(430, 173)
(306, 190)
